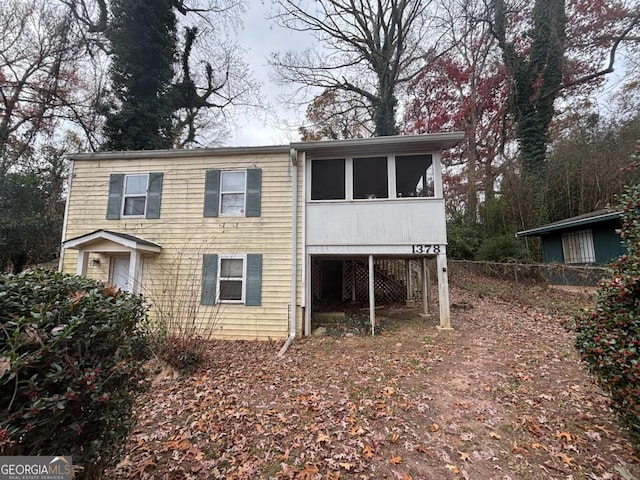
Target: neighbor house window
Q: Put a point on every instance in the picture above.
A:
(370, 178)
(414, 176)
(577, 247)
(327, 179)
(135, 195)
(232, 188)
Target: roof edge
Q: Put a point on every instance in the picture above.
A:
(569, 223)
(175, 153)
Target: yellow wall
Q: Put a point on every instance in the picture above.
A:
(185, 235)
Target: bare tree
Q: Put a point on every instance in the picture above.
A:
(211, 79)
(371, 48)
(334, 115)
(39, 79)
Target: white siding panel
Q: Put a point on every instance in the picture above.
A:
(376, 222)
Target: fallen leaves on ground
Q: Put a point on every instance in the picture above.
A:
(504, 396)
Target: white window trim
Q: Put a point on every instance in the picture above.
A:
(219, 278)
(137, 195)
(391, 181)
(243, 192)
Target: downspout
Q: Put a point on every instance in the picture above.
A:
(293, 154)
(66, 216)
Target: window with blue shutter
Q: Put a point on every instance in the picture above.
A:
(253, 296)
(114, 203)
(209, 279)
(233, 193)
(154, 195)
(231, 279)
(134, 195)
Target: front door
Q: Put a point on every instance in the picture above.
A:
(119, 276)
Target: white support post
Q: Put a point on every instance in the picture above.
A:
(309, 299)
(443, 293)
(372, 297)
(83, 263)
(407, 271)
(425, 286)
(134, 271)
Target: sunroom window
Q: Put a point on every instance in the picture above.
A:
(370, 179)
(327, 179)
(414, 176)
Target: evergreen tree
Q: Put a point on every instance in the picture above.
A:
(143, 39)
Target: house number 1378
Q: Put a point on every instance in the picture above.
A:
(426, 249)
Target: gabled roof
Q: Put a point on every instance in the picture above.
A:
(586, 219)
(124, 239)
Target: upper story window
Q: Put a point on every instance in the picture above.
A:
(135, 195)
(232, 188)
(414, 176)
(233, 193)
(327, 179)
(577, 247)
(379, 177)
(370, 178)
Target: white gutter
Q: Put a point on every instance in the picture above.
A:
(293, 153)
(66, 217)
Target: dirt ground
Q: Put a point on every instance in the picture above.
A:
(502, 397)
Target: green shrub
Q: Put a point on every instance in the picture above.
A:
(608, 338)
(70, 359)
(463, 240)
(500, 249)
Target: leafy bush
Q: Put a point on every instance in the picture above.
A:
(70, 360)
(500, 249)
(608, 338)
(463, 240)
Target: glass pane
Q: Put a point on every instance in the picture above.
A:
(327, 179)
(414, 176)
(136, 184)
(230, 290)
(231, 267)
(232, 203)
(232, 182)
(370, 178)
(134, 205)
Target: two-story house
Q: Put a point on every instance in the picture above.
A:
(249, 232)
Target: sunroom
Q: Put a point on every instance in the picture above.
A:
(373, 202)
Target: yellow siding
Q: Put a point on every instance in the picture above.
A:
(185, 235)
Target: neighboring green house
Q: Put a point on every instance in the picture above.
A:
(588, 240)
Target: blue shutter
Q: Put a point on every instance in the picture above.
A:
(254, 280)
(254, 192)
(154, 194)
(114, 203)
(211, 193)
(209, 279)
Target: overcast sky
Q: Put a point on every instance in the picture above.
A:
(260, 37)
